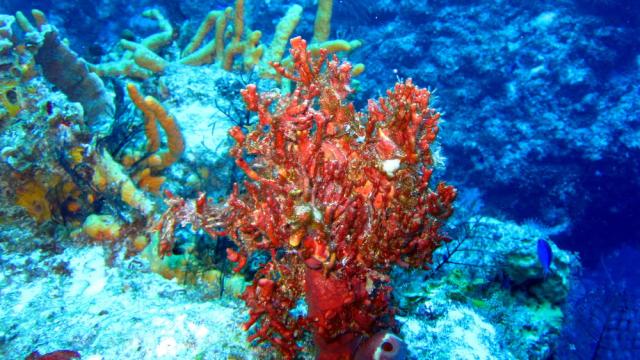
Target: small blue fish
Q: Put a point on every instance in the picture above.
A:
(545, 256)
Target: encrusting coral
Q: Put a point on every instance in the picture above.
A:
(17, 62)
(102, 227)
(32, 197)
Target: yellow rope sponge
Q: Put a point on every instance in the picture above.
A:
(357, 69)
(236, 46)
(108, 173)
(150, 124)
(224, 38)
(333, 46)
(230, 52)
(221, 26)
(195, 55)
(175, 141)
(123, 67)
(140, 61)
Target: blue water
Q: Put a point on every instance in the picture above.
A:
(540, 105)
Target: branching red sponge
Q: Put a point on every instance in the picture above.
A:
(336, 197)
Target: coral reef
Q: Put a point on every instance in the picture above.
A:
(488, 284)
(320, 229)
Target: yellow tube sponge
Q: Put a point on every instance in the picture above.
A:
(221, 26)
(283, 33)
(141, 60)
(203, 55)
(194, 54)
(164, 37)
(154, 113)
(322, 24)
(144, 57)
(333, 46)
(238, 21)
(204, 29)
(147, 59)
(123, 67)
(357, 69)
(230, 53)
(253, 51)
(39, 18)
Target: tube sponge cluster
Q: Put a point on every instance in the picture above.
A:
(221, 38)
